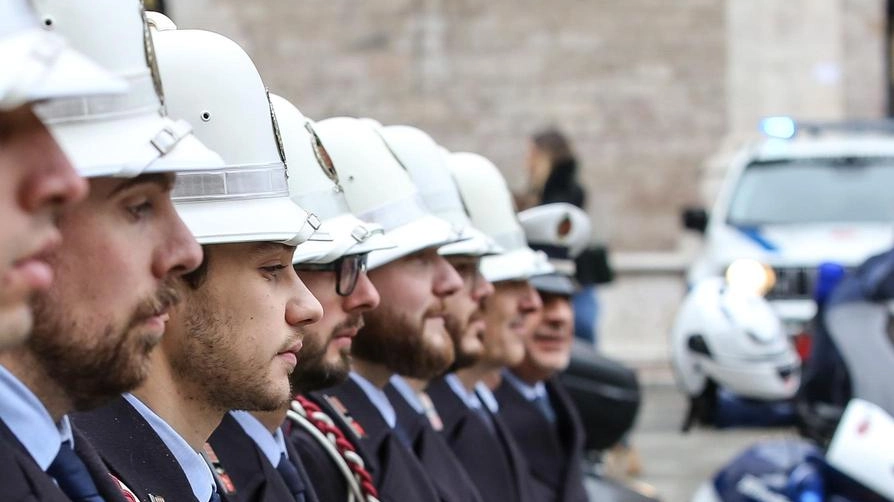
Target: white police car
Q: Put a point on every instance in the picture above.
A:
(803, 195)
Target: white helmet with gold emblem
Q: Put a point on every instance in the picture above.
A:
(314, 184)
(123, 135)
(489, 202)
(246, 200)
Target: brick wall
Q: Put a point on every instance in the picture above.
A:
(642, 86)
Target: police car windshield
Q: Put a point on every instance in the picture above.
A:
(795, 191)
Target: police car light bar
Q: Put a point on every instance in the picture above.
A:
(782, 127)
(778, 127)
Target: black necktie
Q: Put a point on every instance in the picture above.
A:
(292, 478)
(485, 417)
(72, 476)
(401, 434)
(543, 404)
(215, 497)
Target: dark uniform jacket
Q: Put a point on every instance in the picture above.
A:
(21, 479)
(328, 482)
(255, 478)
(492, 459)
(554, 451)
(447, 474)
(136, 455)
(396, 472)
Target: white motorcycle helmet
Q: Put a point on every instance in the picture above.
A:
(45, 66)
(379, 190)
(123, 135)
(731, 338)
(489, 202)
(209, 80)
(313, 184)
(426, 162)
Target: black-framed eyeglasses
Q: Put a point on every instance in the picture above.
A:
(347, 271)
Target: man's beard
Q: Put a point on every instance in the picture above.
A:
(207, 360)
(313, 372)
(399, 343)
(93, 367)
(457, 331)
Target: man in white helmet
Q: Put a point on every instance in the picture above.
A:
(404, 334)
(533, 403)
(36, 178)
(235, 337)
(124, 246)
(426, 162)
(257, 454)
(472, 425)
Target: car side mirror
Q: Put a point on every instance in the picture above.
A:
(695, 218)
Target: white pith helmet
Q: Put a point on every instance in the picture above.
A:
(489, 202)
(313, 185)
(733, 338)
(379, 190)
(128, 134)
(210, 80)
(39, 65)
(562, 231)
(425, 161)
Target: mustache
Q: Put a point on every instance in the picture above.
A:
(353, 322)
(438, 309)
(165, 297)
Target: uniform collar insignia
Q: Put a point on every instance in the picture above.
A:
(224, 483)
(342, 411)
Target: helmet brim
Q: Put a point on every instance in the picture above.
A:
(556, 284)
(476, 243)
(273, 219)
(123, 147)
(423, 232)
(517, 264)
(341, 229)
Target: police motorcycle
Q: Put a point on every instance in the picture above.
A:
(765, 237)
(855, 468)
(845, 403)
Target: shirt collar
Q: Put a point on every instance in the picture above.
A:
(487, 397)
(530, 392)
(29, 420)
(378, 398)
(272, 445)
(456, 385)
(407, 392)
(197, 471)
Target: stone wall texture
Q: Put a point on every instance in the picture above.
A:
(647, 89)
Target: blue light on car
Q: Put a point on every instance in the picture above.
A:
(778, 127)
